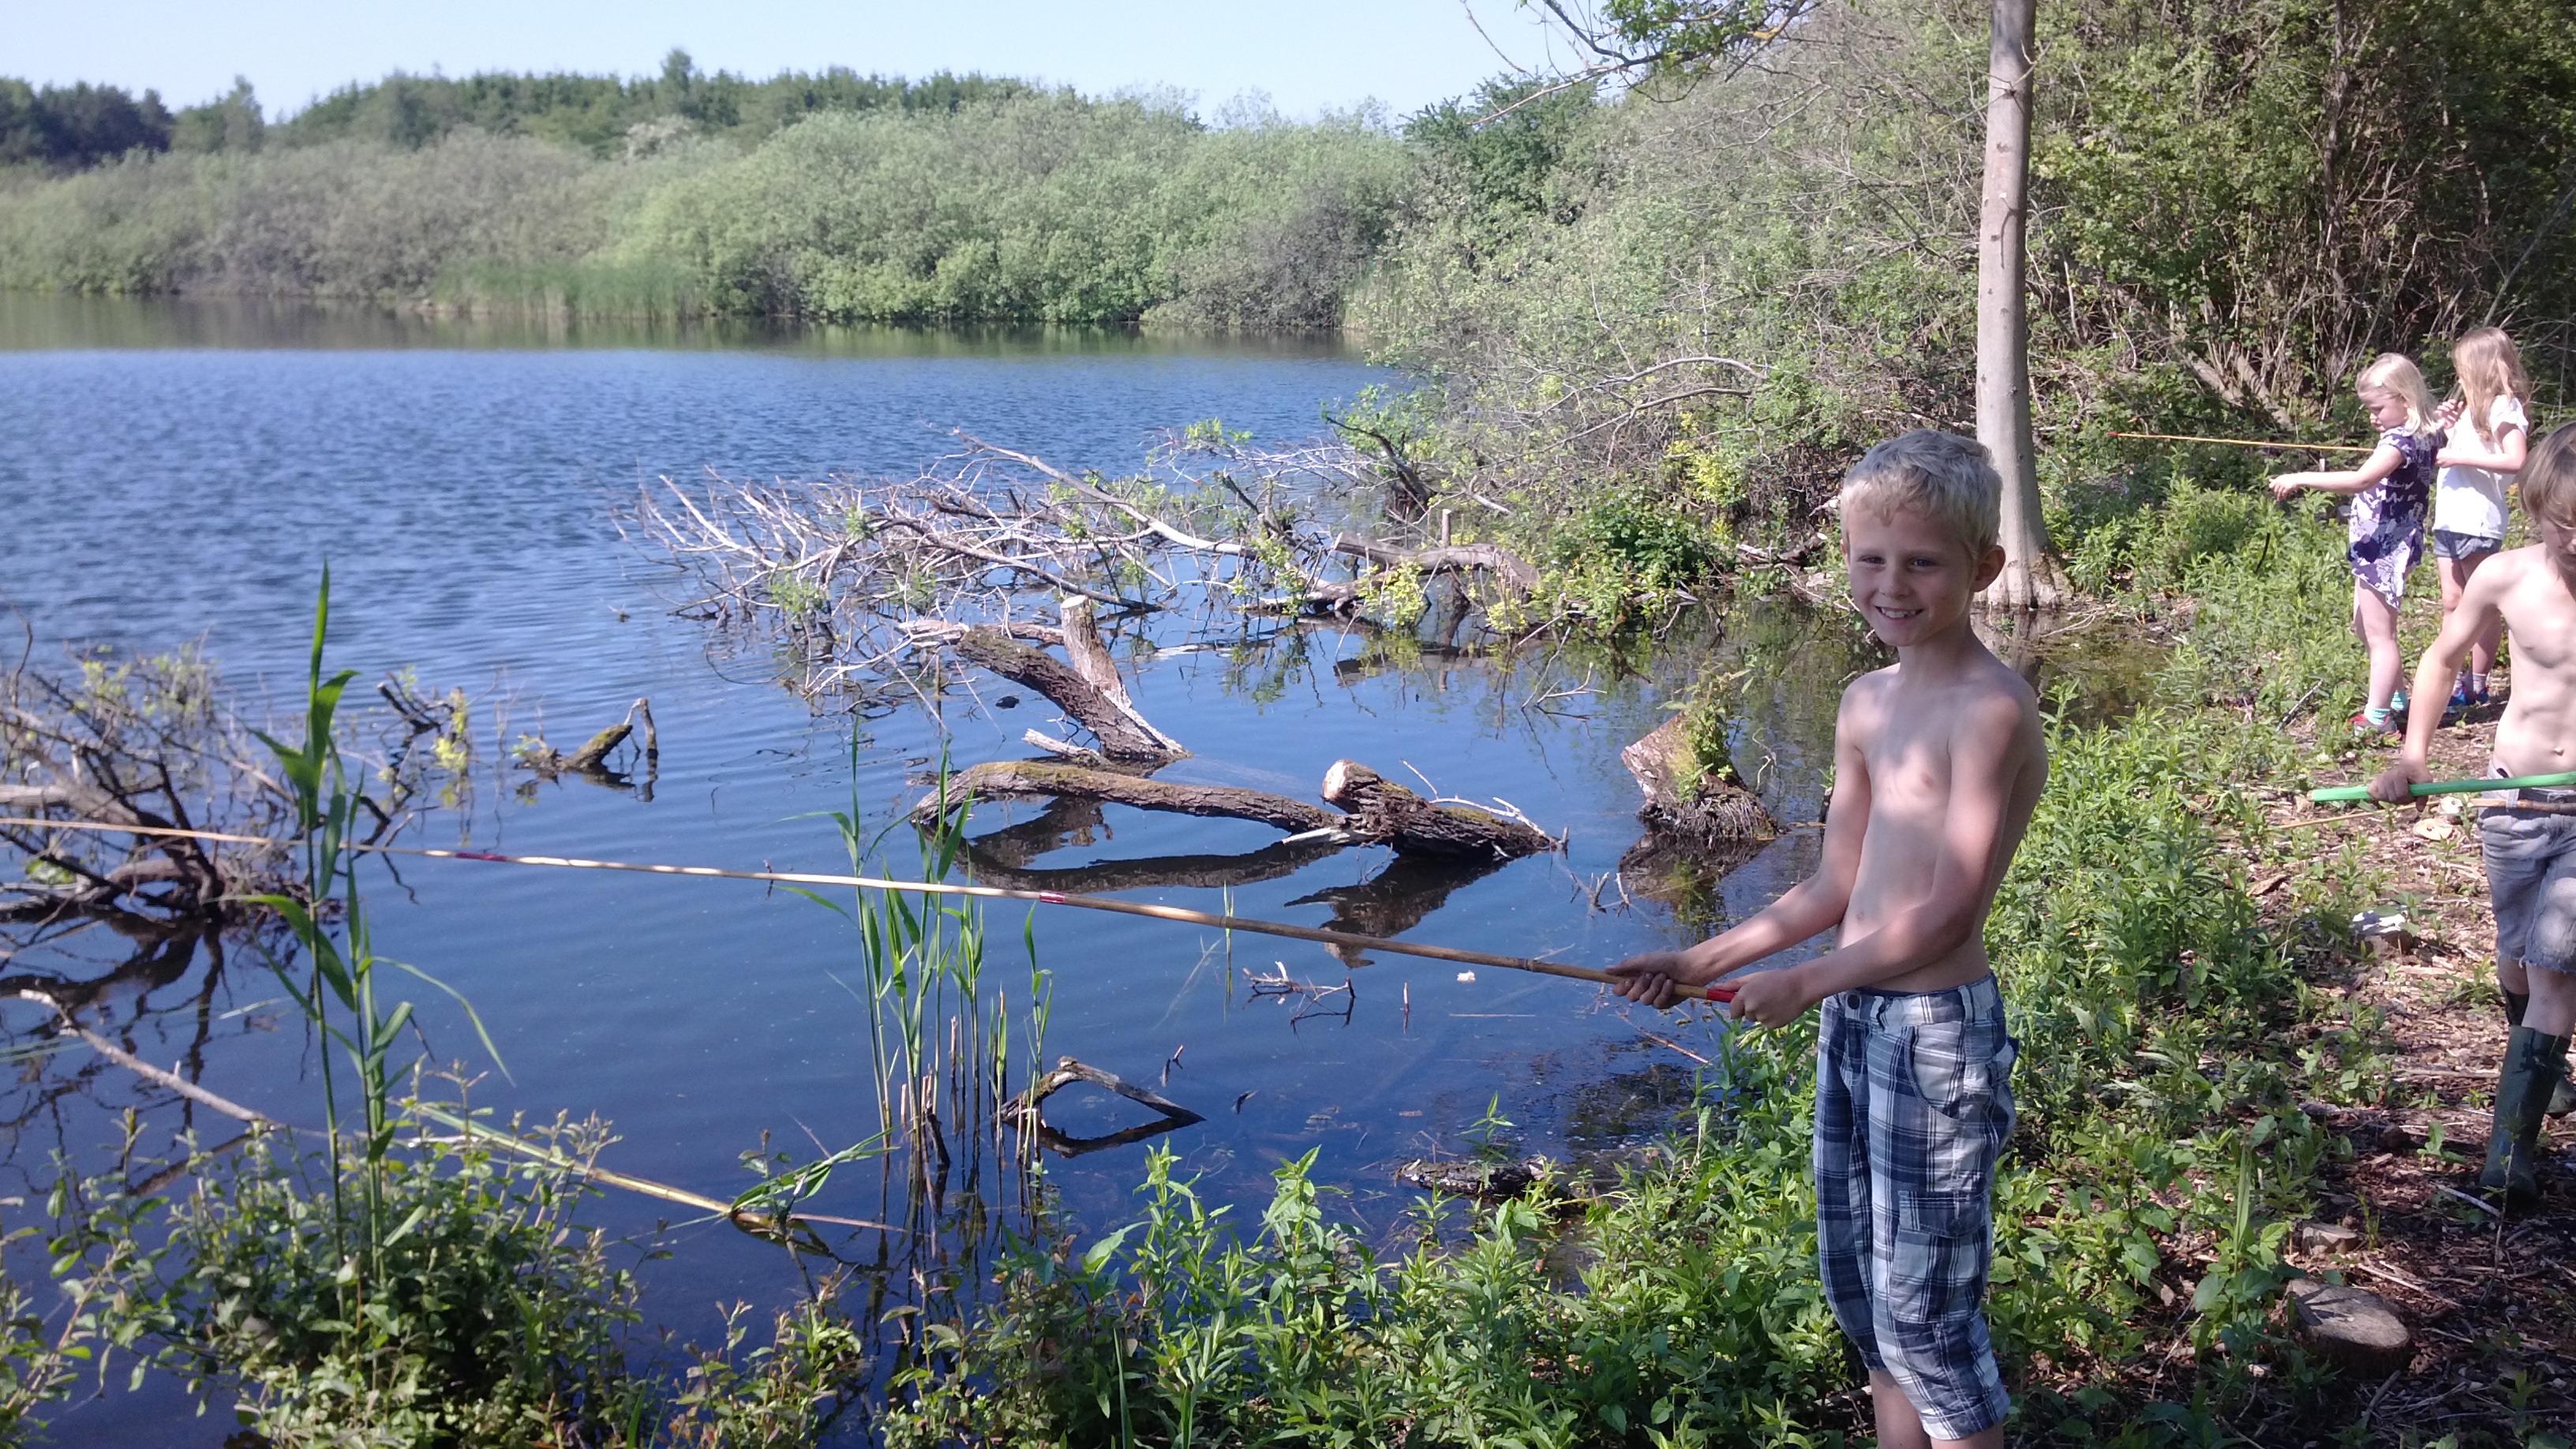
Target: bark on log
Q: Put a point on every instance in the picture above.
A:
(1686, 800)
(1039, 777)
(1389, 812)
(1384, 814)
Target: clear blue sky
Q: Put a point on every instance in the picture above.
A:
(1307, 54)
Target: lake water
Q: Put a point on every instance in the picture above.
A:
(182, 473)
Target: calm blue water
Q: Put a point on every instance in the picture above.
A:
(178, 474)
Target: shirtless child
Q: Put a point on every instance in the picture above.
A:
(1938, 761)
(2529, 835)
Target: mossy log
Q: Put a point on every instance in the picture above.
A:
(1383, 810)
(1689, 798)
(1381, 813)
(1073, 782)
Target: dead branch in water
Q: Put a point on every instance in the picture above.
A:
(149, 742)
(1023, 1114)
(1089, 691)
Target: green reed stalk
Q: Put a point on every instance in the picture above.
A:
(341, 957)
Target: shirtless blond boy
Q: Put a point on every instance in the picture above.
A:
(2529, 836)
(1938, 761)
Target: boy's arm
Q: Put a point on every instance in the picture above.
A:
(1990, 746)
(2383, 460)
(1812, 905)
(2479, 606)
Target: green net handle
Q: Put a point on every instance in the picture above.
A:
(2334, 793)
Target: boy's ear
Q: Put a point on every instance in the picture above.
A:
(1990, 567)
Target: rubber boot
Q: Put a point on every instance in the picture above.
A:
(2562, 1098)
(2532, 1063)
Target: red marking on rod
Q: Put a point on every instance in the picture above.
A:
(1721, 993)
(1053, 898)
(479, 855)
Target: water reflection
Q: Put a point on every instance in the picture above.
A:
(35, 322)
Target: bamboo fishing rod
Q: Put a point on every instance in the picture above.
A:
(2248, 443)
(933, 888)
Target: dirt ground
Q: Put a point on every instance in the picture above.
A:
(2491, 1300)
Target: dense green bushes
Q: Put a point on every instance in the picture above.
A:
(1031, 207)
(1048, 208)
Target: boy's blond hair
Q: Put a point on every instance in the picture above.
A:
(2394, 372)
(2490, 367)
(2549, 477)
(1946, 477)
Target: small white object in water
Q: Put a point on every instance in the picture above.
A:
(1466, 975)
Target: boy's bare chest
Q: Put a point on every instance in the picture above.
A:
(1909, 764)
(2541, 618)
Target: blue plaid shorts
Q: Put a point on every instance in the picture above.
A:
(1913, 1104)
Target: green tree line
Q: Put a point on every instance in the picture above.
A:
(833, 197)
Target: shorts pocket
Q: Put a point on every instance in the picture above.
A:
(1937, 1265)
(1959, 1067)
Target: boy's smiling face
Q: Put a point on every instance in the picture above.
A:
(1911, 578)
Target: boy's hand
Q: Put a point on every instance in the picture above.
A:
(2392, 782)
(1653, 979)
(1771, 998)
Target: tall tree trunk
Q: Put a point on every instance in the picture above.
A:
(2033, 578)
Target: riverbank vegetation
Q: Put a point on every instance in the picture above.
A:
(2207, 1088)
(2204, 1076)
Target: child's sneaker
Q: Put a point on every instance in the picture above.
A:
(2385, 725)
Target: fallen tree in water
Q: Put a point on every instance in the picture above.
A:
(1380, 812)
(866, 571)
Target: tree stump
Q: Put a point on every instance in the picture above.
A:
(1690, 798)
(2352, 1327)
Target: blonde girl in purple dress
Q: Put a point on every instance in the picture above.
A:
(2390, 493)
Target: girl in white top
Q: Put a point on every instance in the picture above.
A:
(2489, 437)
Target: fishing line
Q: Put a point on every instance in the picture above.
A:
(2249, 443)
(936, 888)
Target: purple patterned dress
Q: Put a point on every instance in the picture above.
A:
(2388, 516)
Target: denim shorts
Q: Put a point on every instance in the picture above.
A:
(2531, 878)
(1913, 1103)
(2447, 544)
